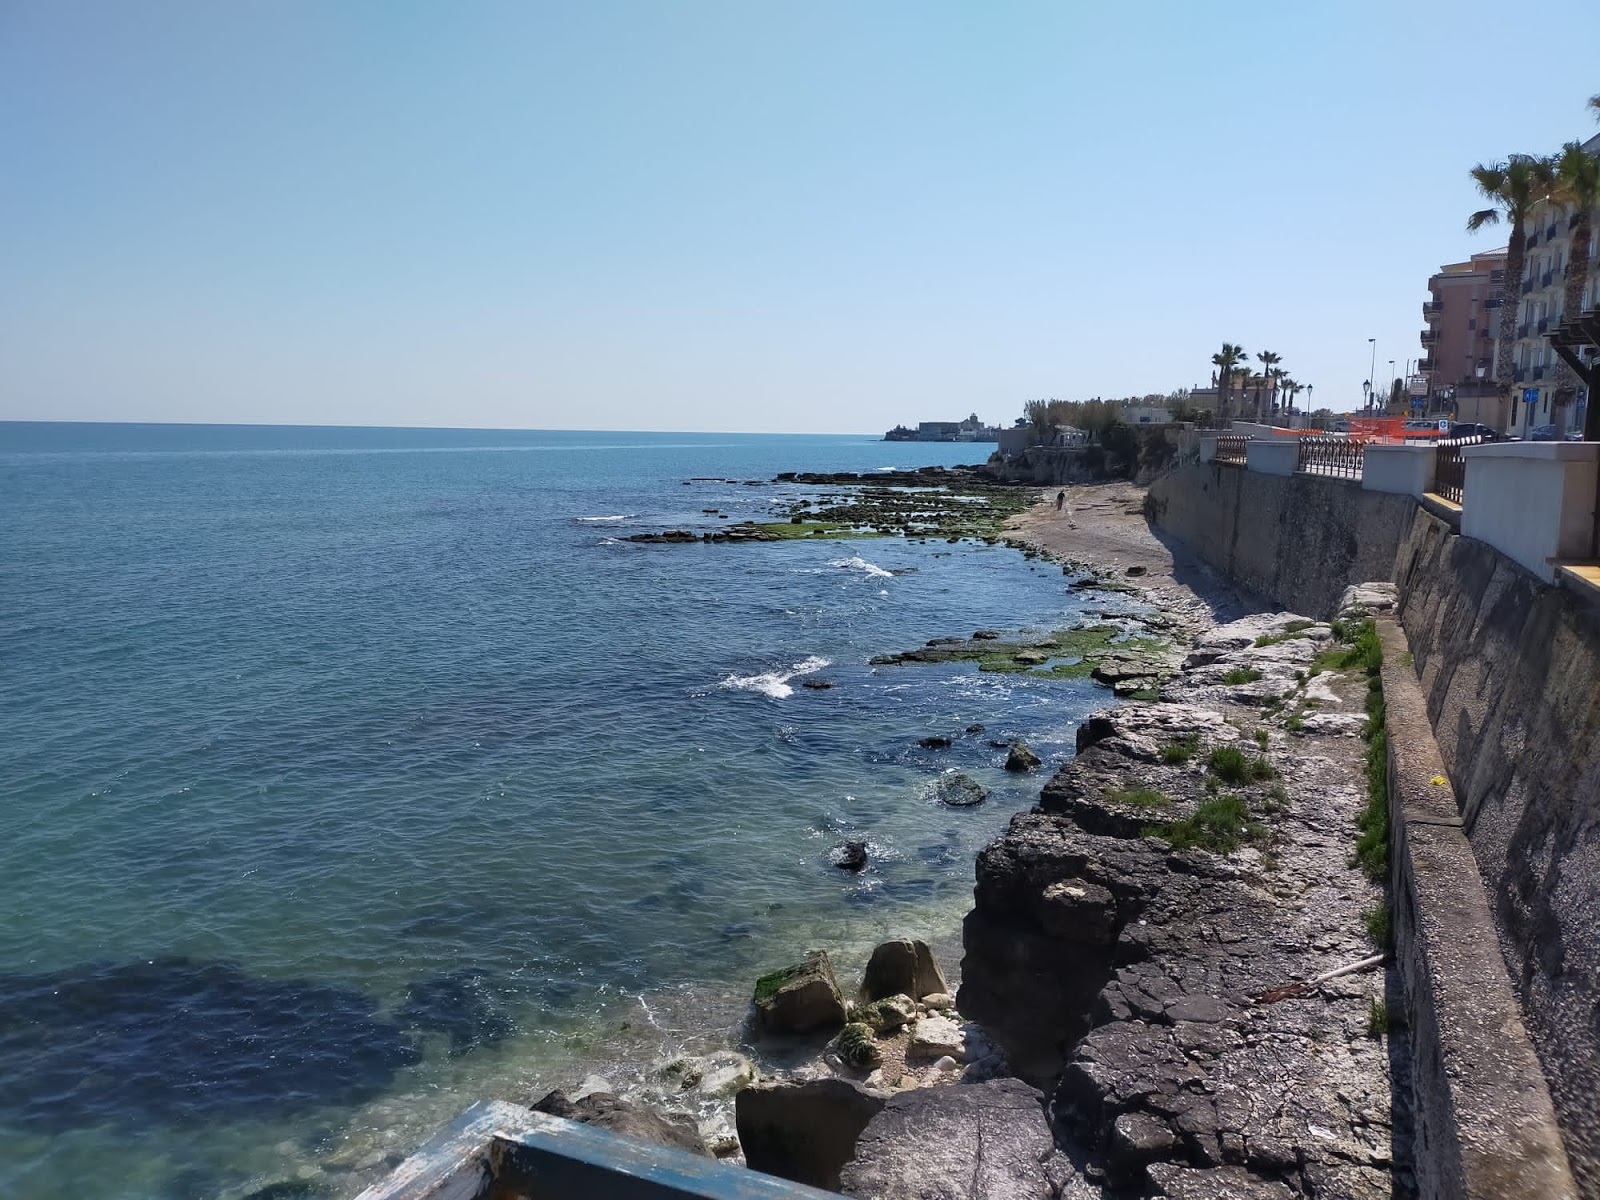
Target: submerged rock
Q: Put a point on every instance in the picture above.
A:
(1022, 758)
(850, 856)
(936, 742)
(800, 998)
(957, 790)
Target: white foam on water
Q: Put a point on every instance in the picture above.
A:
(856, 563)
(615, 517)
(774, 683)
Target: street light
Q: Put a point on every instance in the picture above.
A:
(1372, 373)
(1366, 396)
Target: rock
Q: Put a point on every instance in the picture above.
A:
(1075, 910)
(590, 1085)
(858, 1046)
(672, 535)
(804, 1131)
(902, 968)
(725, 1073)
(1135, 571)
(946, 1063)
(936, 1036)
(939, 1001)
(986, 635)
(957, 790)
(1136, 1139)
(888, 1014)
(975, 728)
(817, 685)
(1022, 758)
(987, 1141)
(606, 1111)
(800, 998)
(934, 743)
(1031, 658)
(850, 856)
(1364, 599)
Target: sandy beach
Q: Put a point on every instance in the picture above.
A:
(1104, 527)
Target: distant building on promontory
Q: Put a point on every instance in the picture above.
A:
(970, 430)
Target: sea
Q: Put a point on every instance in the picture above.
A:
(350, 776)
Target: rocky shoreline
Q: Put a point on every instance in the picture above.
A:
(1173, 982)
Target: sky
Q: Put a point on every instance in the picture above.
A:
(731, 214)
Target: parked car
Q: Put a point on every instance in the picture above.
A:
(1575, 435)
(1542, 433)
(1465, 429)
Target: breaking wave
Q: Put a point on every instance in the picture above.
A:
(856, 563)
(616, 517)
(774, 683)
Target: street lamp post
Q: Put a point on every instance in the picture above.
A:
(1390, 396)
(1372, 374)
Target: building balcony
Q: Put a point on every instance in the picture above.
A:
(1483, 364)
(1520, 375)
(1533, 240)
(1527, 285)
(1492, 302)
(1497, 277)
(1426, 363)
(1430, 336)
(1537, 373)
(1522, 330)
(1552, 230)
(1544, 324)
(1546, 279)
(1432, 309)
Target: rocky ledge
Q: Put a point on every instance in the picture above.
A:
(1177, 947)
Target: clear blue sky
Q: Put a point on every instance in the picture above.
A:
(732, 215)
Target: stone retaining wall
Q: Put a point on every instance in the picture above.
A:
(1485, 1126)
(1510, 672)
(1297, 541)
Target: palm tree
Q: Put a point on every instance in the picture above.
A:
(1594, 103)
(1514, 187)
(1268, 360)
(1225, 360)
(1289, 387)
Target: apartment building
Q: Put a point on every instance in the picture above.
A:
(1463, 317)
(1540, 299)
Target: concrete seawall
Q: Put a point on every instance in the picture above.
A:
(1507, 676)
(1510, 669)
(1294, 540)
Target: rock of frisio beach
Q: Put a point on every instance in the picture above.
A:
(800, 998)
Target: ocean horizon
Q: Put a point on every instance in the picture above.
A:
(355, 774)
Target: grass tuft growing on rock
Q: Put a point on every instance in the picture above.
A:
(1231, 765)
(1377, 1018)
(1140, 798)
(1380, 927)
(1220, 825)
(1182, 750)
(1241, 675)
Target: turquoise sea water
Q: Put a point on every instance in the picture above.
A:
(349, 776)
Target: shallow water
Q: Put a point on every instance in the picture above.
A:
(352, 775)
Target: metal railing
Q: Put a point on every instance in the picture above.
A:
(1231, 449)
(1450, 469)
(1331, 456)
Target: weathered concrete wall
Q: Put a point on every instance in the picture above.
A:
(1510, 669)
(1296, 541)
(1485, 1126)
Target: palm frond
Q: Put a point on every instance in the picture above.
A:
(1484, 216)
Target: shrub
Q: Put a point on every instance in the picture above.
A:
(1230, 764)
(1241, 675)
(1377, 1018)
(1379, 926)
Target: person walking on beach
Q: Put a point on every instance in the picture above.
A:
(1061, 500)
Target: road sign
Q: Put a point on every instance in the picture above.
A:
(1530, 395)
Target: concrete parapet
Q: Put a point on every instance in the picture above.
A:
(1208, 447)
(1532, 501)
(1486, 1126)
(1403, 470)
(1273, 458)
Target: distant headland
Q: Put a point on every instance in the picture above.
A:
(970, 430)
